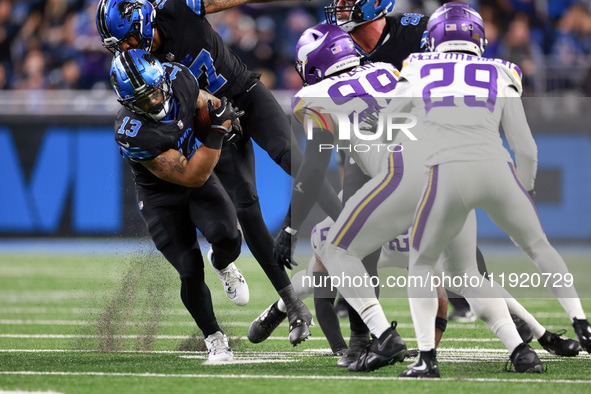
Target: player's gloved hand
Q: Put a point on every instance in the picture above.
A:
(234, 134)
(223, 116)
(284, 246)
(532, 194)
(221, 123)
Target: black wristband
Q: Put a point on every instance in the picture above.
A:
(440, 323)
(214, 139)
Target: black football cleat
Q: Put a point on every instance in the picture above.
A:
(340, 352)
(263, 326)
(524, 360)
(357, 344)
(523, 329)
(425, 368)
(388, 349)
(559, 345)
(300, 320)
(583, 331)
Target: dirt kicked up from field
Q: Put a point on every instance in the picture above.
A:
(135, 308)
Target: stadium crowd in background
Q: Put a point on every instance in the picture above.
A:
(53, 44)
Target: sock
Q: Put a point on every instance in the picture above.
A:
(281, 305)
(508, 334)
(339, 263)
(517, 309)
(355, 321)
(325, 314)
(375, 320)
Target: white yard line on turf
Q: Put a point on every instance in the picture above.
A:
(280, 377)
(318, 338)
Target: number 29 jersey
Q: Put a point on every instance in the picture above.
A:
(142, 139)
(462, 100)
(344, 98)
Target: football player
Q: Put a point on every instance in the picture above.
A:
(391, 39)
(380, 38)
(383, 207)
(155, 133)
(178, 30)
(462, 99)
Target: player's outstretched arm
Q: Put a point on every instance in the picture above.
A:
(212, 6)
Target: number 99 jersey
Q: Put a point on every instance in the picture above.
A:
(344, 98)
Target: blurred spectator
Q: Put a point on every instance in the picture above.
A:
(518, 48)
(34, 71)
(53, 44)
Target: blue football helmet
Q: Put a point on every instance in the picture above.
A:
(141, 85)
(117, 20)
(359, 11)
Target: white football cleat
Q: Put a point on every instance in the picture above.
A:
(217, 347)
(233, 281)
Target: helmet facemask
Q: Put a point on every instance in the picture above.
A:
(359, 13)
(152, 101)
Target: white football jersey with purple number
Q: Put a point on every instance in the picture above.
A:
(393, 254)
(347, 96)
(465, 127)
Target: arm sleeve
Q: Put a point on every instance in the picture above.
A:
(520, 139)
(310, 176)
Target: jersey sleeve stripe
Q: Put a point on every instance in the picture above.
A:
(195, 5)
(136, 154)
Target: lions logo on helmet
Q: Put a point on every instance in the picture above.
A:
(117, 20)
(127, 8)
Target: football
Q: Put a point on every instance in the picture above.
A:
(201, 123)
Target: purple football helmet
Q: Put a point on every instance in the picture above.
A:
(324, 50)
(456, 27)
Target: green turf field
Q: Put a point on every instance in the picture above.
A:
(115, 324)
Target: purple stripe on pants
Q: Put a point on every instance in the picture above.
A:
(426, 204)
(389, 186)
